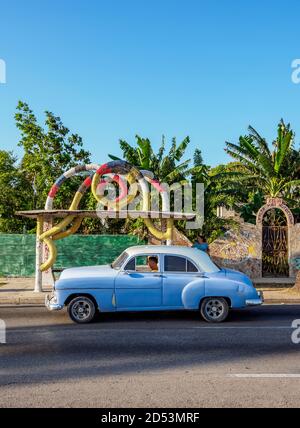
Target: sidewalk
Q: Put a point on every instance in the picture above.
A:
(281, 296)
(19, 291)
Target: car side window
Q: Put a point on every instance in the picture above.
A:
(143, 263)
(179, 264)
(175, 264)
(191, 267)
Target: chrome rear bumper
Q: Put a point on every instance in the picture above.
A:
(51, 303)
(256, 302)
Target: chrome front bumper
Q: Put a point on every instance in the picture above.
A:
(256, 302)
(51, 303)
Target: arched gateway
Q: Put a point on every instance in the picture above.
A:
(275, 221)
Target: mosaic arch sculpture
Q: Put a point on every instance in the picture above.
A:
(138, 181)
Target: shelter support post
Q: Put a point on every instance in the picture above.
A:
(38, 288)
(47, 275)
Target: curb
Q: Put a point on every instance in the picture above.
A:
(282, 302)
(22, 305)
(20, 301)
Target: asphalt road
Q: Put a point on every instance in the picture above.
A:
(150, 359)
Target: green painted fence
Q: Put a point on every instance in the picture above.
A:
(17, 252)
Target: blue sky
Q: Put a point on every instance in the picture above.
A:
(112, 69)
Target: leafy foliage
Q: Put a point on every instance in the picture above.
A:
(14, 194)
(258, 171)
(274, 172)
(167, 167)
(47, 154)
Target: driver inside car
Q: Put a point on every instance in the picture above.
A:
(153, 263)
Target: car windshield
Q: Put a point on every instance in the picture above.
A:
(118, 263)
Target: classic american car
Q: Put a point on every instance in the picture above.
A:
(153, 278)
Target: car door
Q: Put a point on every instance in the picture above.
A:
(137, 287)
(178, 272)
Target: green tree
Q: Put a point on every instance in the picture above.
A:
(14, 195)
(276, 173)
(167, 166)
(219, 190)
(47, 154)
(198, 159)
(249, 209)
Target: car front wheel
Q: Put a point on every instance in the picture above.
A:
(82, 310)
(214, 309)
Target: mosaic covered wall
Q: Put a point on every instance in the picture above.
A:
(241, 249)
(295, 249)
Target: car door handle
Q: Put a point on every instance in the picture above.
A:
(158, 275)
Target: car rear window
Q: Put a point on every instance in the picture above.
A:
(179, 264)
(191, 267)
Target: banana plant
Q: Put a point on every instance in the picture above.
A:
(166, 166)
(275, 172)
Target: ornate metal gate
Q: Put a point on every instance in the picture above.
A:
(275, 251)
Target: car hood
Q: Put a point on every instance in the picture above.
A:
(88, 272)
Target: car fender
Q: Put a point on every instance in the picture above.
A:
(192, 293)
(195, 291)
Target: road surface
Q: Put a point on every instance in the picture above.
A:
(150, 360)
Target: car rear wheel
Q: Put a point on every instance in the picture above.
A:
(214, 309)
(82, 310)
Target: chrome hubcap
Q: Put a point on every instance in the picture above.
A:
(81, 309)
(214, 308)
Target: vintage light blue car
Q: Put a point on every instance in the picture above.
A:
(154, 278)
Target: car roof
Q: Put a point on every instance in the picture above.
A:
(164, 249)
(200, 258)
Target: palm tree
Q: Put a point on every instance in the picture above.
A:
(219, 190)
(166, 167)
(276, 173)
